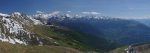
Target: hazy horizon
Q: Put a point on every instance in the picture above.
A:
(115, 8)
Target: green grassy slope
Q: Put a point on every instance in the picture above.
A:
(61, 36)
(10, 48)
(58, 40)
(118, 50)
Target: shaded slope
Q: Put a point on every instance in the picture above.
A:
(69, 38)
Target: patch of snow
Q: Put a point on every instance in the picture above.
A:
(11, 40)
(17, 13)
(40, 43)
(50, 38)
(55, 42)
(14, 27)
(3, 38)
(19, 41)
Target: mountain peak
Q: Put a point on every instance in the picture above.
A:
(17, 13)
(14, 29)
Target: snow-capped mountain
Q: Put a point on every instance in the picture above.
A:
(46, 18)
(17, 28)
(74, 31)
(14, 28)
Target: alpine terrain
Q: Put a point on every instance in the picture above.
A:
(65, 33)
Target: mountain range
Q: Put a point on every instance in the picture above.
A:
(82, 33)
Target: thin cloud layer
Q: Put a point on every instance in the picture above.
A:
(93, 13)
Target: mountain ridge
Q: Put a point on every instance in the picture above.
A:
(22, 29)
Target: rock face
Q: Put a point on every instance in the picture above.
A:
(138, 48)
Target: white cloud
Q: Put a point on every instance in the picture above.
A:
(68, 11)
(93, 13)
(45, 15)
(1, 14)
(86, 12)
(55, 13)
(39, 12)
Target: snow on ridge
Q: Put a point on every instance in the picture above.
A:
(36, 22)
(11, 40)
(5, 15)
(45, 15)
(17, 13)
(13, 28)
(69, 14)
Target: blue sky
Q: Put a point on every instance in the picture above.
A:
(114, 8)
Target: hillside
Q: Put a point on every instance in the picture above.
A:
(21, 29)
(10, 48)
